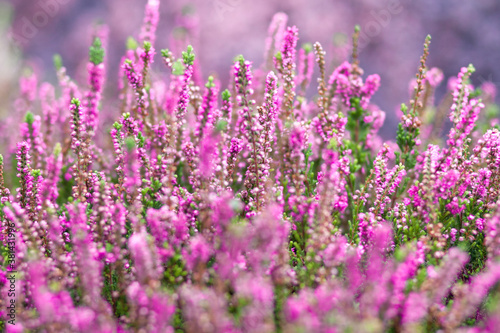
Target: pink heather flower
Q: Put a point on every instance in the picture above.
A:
(489, 90)
(222, 210)
(24, 174)
(199, 251)
(385, 182)
(469, 297)
(271, 100)
(205, 311)
(298, 143)
(89, 268)
(93, 97)
(331, 127)
(258, 291)
(184, 96)
(378, 272)
(372, 83)
(301, 311)
(492, 234)
(208, 155)
(376, 118)
(236, 146)
(243, 82)
(405, 271)
(335, 252)
(53, 308)
(28, 87)
(144, 258)
(415, 308)
(349, 85)
(168, 227)
(288, 55)
(488, 147)
(464, 123)
(50, 111)
(31, 133)
(331, 183)
(146, 55)
(434, 76)
(445, 275)
(269, 234)
(150, 310)
(366, 224)
(258, 128)
(275, 36)
(305, 69)
(207, 112)
(136, 82)
(151, 19)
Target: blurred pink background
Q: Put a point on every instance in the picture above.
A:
(462, 32)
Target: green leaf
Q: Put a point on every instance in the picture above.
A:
(75, 102)
(130, 143)
(117, 126)
(109, 247)
(188, 56)
(57, 149)
(96, 52)
(178, 68)
(58, 64)
(221, 125)
(147, 46)
(142, 139)
(307, 47)
(131, 43)
(210, 83)
(226, 95)
(29, 118)
(165, 53)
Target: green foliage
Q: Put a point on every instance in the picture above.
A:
(178, 320)
(188, 56)
(178, 68)
(130, 143)
(221, 125)
(165, 53)
(406, 139)
(210, 84)
(96, 52)
(131, 43)
(226, 95)
(278, 56)
(58, 63)
(65, 187)
(311, 171)
(141, 139)
(147, 46)
(57, 149)
(29, 118)
(175, 272)
(75, 102)
(307, 47)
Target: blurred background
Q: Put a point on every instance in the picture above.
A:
(393, 32)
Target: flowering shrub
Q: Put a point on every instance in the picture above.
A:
(252, 208)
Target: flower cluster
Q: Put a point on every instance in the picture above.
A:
(251, 207)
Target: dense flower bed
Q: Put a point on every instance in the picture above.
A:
(248, 209)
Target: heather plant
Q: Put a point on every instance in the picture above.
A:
(248, 208)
